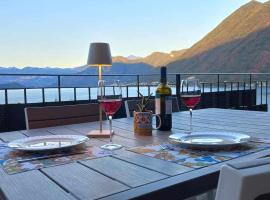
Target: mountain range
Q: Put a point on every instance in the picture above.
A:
(240, 43)
(72, 81)
(155, 59)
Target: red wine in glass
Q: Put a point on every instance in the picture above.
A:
(191, 100)
(190, 92)
(110, 106)
(110, 99)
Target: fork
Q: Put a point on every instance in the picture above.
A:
(162, 147)
(166, 147)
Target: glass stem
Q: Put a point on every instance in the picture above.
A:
(110, 120)
(190, 120)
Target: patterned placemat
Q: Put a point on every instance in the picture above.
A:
(17, 161)
(197, 158)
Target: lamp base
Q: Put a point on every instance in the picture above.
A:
(99, 134)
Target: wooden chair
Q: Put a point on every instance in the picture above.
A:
(40, 117)
(131, 105)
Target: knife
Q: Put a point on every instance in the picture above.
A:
(47, 157)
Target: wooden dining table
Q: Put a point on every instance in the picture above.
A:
(129, 175)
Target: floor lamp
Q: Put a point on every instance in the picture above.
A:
(99, 55)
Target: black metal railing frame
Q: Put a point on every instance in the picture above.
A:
(138, 83)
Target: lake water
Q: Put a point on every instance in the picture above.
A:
(67, 94)
(16, 96)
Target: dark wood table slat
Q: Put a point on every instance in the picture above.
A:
(223, 121)
(36, 132)
(124, 172)
(161, 166)
(83, 182)
(31, 185)
(9, 136)
(62, 130)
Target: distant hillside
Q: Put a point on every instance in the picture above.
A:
(32, 81)
(11, 85)
(116, 69)
(158, 58)
(241, 43)
(47, 81)
(155, 59)
(38, 70)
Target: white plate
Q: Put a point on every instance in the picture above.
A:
(209, 139)
(47, 143)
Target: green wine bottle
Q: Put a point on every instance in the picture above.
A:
(163, 101)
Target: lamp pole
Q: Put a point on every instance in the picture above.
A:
(99, 72)
(100, 109)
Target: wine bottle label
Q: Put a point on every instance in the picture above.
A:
(157, 106)
(168, 105)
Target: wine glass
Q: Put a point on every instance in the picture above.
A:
(110, 99)
(190, 92)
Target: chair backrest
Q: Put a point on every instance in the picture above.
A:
(244, 181)
(131, 105)
(40, 117)
(263, 197)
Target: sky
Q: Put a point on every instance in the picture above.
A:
(57, 33)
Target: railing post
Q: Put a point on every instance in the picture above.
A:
(239, 94)
(250, 90)
(75, 94)
(138, 85)
(226, 95)
(177, 87)
(250, 81)
(231, 94)
(261, 92)
(59, 87)
(244, 96)
(43, 95)
(266, 93)
(202, 99)
(6, 97)
(89, 93)
(217, 91)
(113, 87)
(218, 82)
(127, 90)
(202, 87)
(25, 96)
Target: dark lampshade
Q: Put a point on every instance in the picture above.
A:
(99, 54)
